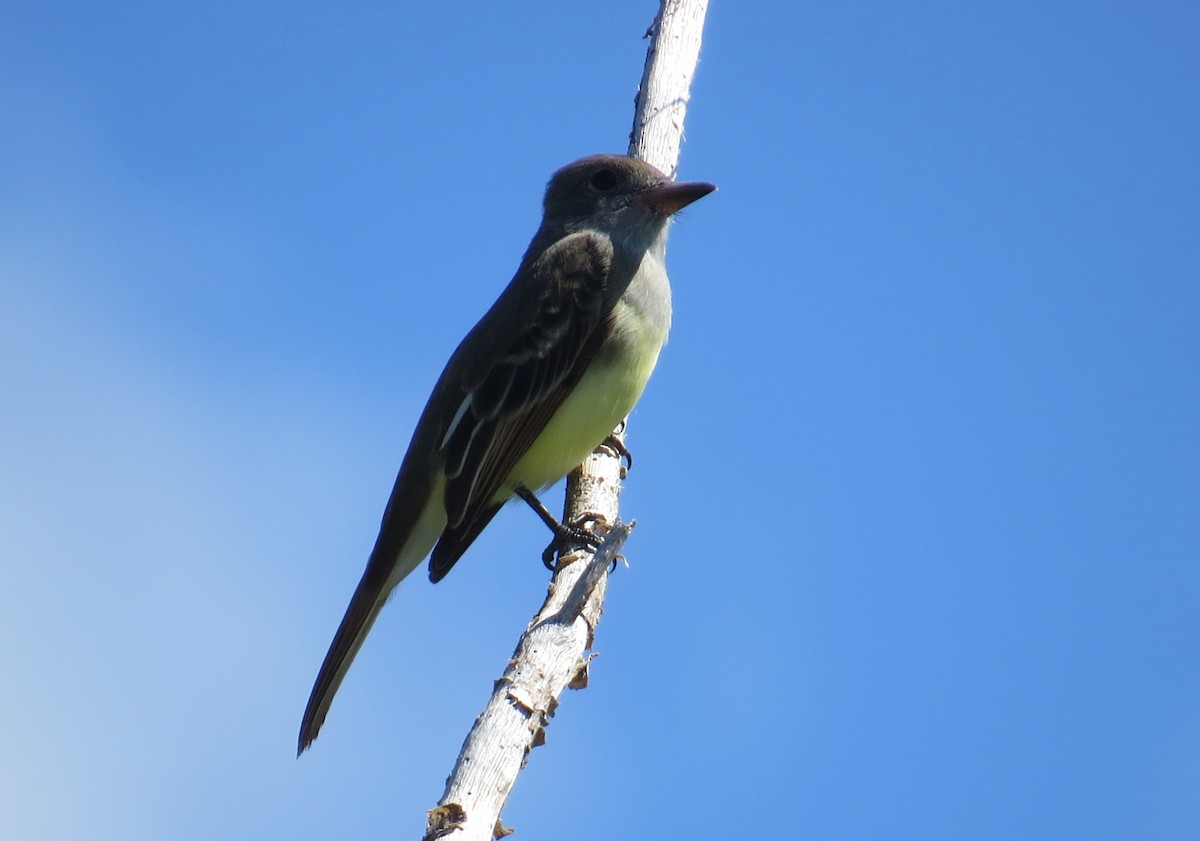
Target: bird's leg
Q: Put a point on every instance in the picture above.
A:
(564, 533)
(541, 510)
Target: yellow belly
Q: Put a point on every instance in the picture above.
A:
(606, 394)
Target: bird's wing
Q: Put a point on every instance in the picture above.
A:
(508, 399)
(498, 393)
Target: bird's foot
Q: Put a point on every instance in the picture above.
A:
(566, 535)
(579, 532)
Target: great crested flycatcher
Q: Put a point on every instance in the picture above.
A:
(537, 384)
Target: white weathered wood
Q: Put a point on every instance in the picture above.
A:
(552, 654)
(667, 83)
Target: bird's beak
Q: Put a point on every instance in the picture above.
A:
(672, 197)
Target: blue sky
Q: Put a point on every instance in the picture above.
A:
(917, 480)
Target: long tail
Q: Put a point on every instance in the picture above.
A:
(360, 616)
(401, 546)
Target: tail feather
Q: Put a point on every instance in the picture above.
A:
(401, 546)
(360, 616)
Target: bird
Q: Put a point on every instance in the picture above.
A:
(542, 379)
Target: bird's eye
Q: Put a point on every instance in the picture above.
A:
(604, 180)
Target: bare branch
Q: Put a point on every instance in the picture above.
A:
(549, 658)
(667, 83)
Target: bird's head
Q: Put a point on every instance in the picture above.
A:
(612, 193)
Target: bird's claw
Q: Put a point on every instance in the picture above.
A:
(576, 533)
(618, 448)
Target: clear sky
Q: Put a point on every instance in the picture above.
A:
(917, 479)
